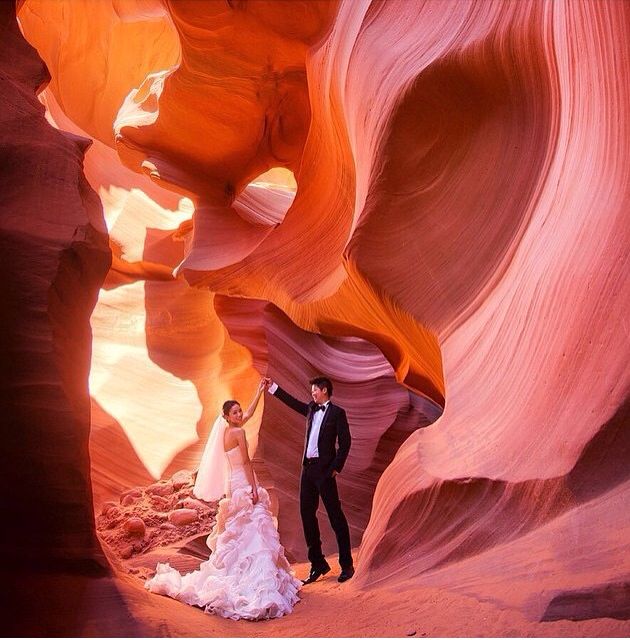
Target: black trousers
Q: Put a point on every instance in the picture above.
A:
(315, 483)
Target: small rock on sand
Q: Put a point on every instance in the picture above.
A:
(135, 526)
(193, 503)
(134, 493)
(182, 517)
(181, 479)
(108, 506)
(161, 488)
(126, 552)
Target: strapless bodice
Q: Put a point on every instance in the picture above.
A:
(236, 478)
(235, 457)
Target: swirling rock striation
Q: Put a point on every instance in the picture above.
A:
(54, 258)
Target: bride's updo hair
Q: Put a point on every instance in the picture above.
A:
(227, 405)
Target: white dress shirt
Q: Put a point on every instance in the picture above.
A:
(318, 416)
(311, 450)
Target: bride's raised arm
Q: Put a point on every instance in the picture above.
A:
(262, 385)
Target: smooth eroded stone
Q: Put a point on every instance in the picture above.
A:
(134, 493)
(161, 489)
(193, 503)
(126, 552)
(181, 479)
(182, 517)
(107, 507)
(135, 526)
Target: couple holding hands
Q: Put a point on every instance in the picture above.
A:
(247, 575)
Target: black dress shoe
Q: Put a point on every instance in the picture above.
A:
(316, 573)
(345, 574)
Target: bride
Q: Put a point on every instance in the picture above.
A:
(247, 575)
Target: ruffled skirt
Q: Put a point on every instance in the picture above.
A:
(247, 576)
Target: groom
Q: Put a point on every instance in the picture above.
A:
(326, 423)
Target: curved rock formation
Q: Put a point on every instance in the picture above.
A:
(529, 398)
(54, 259)
(458, 240)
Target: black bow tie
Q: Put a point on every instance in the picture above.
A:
(319, 407)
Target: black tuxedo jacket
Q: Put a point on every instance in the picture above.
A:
(334, 428)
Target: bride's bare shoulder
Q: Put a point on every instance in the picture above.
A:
(234, 432)
(232, 429)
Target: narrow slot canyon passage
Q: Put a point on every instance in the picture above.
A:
(425, 202)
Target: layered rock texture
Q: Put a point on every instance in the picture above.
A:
(426, 201)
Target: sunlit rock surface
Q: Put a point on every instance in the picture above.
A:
(458, 240)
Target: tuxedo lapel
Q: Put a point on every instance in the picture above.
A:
(321, 428)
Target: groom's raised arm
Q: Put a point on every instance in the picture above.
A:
(288, 399)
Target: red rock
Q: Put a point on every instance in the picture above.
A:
(160, 489)
(108, 507)
(135, 526)
(126, 552)
(127, 501)
(181, 479)
(133, 493)
(160, 502)
(193, 503)
(182, 517)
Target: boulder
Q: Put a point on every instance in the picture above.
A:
(181, 479)
(134, 493)
(127, 500)
(135, 526)
(160, 489)
(126, 552)
(160, 502)
(182, 517)
(107, 507)
(193, 503)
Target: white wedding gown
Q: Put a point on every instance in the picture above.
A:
(247, 576)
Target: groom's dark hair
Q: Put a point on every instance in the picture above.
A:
(323, 383)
